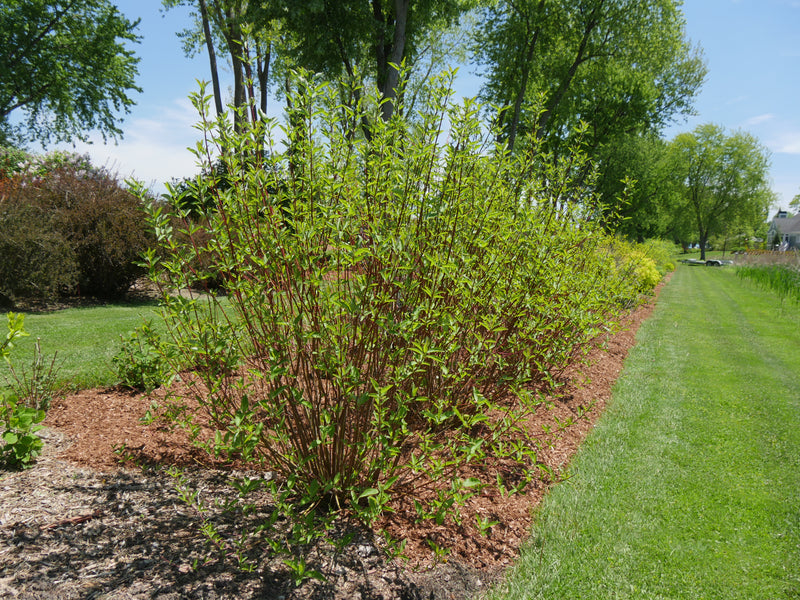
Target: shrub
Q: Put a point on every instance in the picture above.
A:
(390, 294)
(12, 161)
(67, 227)
(662, 253)
(635, 265)
(140, 363)
(37, 260)
(35, 387)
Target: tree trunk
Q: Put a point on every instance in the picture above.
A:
(523, 86)
(580, 57)
(388, 53)
(228, 23)
(212, 57)
(396, 57)
(262, 68)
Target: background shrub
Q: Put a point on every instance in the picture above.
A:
(36, 260)
(640, 267)
(662, 253)
(67, 227)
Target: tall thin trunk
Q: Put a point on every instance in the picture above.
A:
(396, 58)
(526, 71)
(581, 56)
(388, 53)
(262, 71)
(212, 57)
(248, 80)
(228, 23)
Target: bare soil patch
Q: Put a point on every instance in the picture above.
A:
(89, 522)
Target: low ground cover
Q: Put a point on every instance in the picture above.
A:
(687, 488)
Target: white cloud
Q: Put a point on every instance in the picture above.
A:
(759, 119)
(786, 143)
(153, 148)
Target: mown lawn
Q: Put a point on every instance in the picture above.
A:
(85, 339)
(689, 487)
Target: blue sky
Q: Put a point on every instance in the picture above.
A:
(752, 48)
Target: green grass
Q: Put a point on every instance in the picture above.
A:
(689, 487)
(85, 339)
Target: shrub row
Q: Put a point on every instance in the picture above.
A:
(386, 292)
(66, 228)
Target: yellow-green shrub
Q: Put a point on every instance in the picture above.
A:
(662, 252)
(393, 287)
(633, 265)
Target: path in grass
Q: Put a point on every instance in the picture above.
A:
(689, 487)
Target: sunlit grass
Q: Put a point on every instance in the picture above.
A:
(85, 340)
(688, 487)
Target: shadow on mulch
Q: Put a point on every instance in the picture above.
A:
(138, 539)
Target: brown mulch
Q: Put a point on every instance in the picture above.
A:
(102, 514)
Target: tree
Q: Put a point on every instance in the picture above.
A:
(65, 64)
(724, 180)
(358, 37)
(241, 31)
(635, 186)
(622, 66)
(795, 203)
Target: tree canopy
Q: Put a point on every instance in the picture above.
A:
(723, 180)
(363, 41)
(65, 65)
(636, 187)
(795, 203)
(621, 66)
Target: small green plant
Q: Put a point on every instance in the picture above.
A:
(440, 552)
(485, 525)
(299, 571)
(19, 422)
(36, 387)
(395, 548)
(140, 363)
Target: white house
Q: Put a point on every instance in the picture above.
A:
(784, 230)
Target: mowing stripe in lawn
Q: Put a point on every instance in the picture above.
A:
(689, 486)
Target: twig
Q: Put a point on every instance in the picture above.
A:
(73, 520)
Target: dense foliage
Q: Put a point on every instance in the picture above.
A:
(66, 227)
(642, 265)
(622, 66)
(384, 300)
(66, 66)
